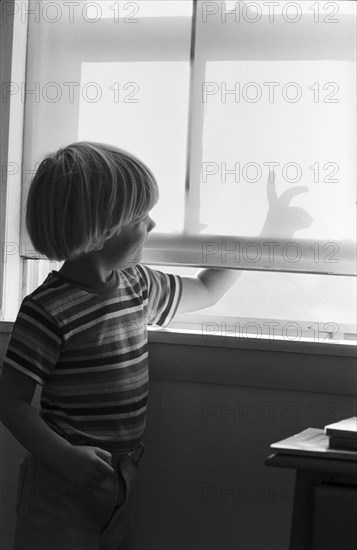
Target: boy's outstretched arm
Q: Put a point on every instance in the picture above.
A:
(206, 288)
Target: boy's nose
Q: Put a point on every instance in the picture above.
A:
(151, 225)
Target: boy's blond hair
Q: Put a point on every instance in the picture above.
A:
(82, 195)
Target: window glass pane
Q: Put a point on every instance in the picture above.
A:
(143, 107)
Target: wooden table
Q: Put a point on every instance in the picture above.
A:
(325, 501)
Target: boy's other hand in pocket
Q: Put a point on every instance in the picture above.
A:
(85, 466)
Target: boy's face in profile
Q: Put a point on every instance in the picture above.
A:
(125, 249)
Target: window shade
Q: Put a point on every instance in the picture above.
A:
(116, 82)
(212, 106)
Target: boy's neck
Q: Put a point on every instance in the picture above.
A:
(86, 271)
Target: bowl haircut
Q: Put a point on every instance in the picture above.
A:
(82, 195)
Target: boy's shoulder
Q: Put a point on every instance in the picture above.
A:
(58, 288)
(132, 272)
(51, 286)
(55, 288)
(46, 295)
(140, 273)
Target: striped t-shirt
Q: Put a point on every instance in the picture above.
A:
(88, 350)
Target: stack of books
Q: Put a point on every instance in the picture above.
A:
(343, 435)
(312, 442)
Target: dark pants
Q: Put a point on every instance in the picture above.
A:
(53, 514)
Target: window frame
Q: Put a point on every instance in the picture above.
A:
(6, 38)
(159, 240)
(13, 70)
(195, 338)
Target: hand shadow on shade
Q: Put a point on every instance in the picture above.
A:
(283, 220)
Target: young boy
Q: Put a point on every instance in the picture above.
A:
(82, 335)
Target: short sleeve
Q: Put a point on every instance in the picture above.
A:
(164, 294)
(35, 342)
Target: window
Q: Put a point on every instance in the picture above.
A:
(214, 96)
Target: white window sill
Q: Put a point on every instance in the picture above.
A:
(304, 345)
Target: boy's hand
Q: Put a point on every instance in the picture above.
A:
(85, 466)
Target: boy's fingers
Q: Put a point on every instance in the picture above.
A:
(104, 468)
(104, 462)
(104, 455)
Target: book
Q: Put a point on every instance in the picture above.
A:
(312, 442)
(347, 443)
(344, 428)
